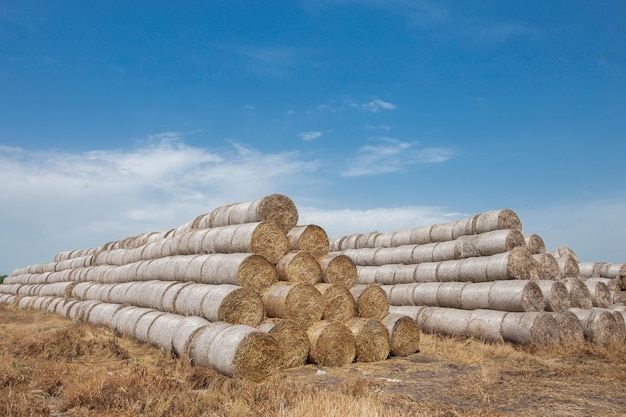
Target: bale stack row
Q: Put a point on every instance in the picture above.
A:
(482, 277)
(210, 287)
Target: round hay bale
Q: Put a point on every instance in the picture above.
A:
(371, 338)
(102, 314)
(385, 274)
(445, 321)
(292, 339)
(442, 232)
(362, 257)
(450, 271)
(125, 319)
(276, 208)
(396, 255)
(404, 274)
(185, 332)
(299, 302)
(423, 253)
(464, 226)
(600, 294)
(144, 323)
(426, 272)
(400, 238)
(621, 324)
(449, 294)
(488, 243)
(422, 294)
(590, 269)
(515, 296)
(171, 293)
(400, 294)
(339, 305)
(265, 239)
(486, 325)
(383, 240)
(568, 266)
(555, 295)
(570, 328)
(613, 284)
(338, 269)
(366, 275)
(299, 266)
(243, 269)
(564, 251)
(420, 235)
(535, 244)
(161, 332)
(236, 350)
(532, 327)
(309, 238)
(332, 344)
(371, 301)
(232, 304)
(443, 251)
(404, 334)
(579, 294)
(474, 269)
(549, 266)
(190, 298)
(496, 220)
(599, 326)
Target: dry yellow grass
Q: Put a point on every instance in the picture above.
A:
(51, 366)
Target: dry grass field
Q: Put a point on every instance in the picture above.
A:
(50, 366)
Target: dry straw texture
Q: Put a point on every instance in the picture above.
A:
(309, 238)
(555, 295)
(299, 266)
(570, 328)
(489, 243)
(549, 266)
(338, 269)
(496, 220)
(600, 294)
(371, 301)
(579, 294)
(371, 338)
(276, 208)
(301, 303)
(600, 327)
(332, 344)
(530, 328)
(535, 243)
(291, 338)
(339, 305)
(404, 334)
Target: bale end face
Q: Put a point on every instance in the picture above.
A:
(332, 344)
(258, 356)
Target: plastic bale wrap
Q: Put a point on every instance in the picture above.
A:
(299, 266)
(535, 243)
(332, 344)
(486, 325)
(292, 339)
(515, 296)
(237, 350)
(246, 270)
(568, 266)
(496, 220)
(590, 269)
(530, 328)
(488, 243)
(299, 302)
(570, 328)
(564, 251)
(613, 284)
(371, 301)
(600, 293)
(445, 321)
(339, 305)
(404, 334)
(338, 269)
(102, 314)
(579, 294)
(549, 266)
(371, 338)
(184, 334)
(161, 332)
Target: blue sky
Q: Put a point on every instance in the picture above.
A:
(123, 117)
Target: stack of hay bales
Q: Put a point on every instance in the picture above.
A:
(481, 277)
(242, 289)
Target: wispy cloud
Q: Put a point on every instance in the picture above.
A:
(500, 33)
(391, 155)
(375, 105)
(269, 61)
(53, 201)
(307, 136)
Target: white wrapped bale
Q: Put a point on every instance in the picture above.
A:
(530, 328)
(555, 295)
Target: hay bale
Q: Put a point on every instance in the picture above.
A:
(339, 305)
(549, 266)
(168, 301)
(535, 243)
(486, 325)
(600, 294)
(401, 294)
(555, 295)
(362, 257)
(366, 274)
(488, 243)
(332, 344)
(568, 266)
(420, 235)
(309, 238)
(102, 314)
(404, 334)
(400, 238)
(232, 304)
(515, 296)
(236, 350)
(536, 328)
(276, 208)
(386, 274)
(496, 220)
(570, 328)
(590, 269)
(615, 271)
(445, 321)
(619, 318)
(299, 302)
(613, 284)
(579, 294)
(243, 269)
(291, 338)
(161, 332)
(371, 337)
(185, 332)
(395, 255)
(371, 301)
(338, 269)
(600, 327)
(299, 266)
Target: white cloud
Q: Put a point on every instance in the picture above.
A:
(391, 155)
(307, 136)
(375, 105)
(344, 222)
(55, 201)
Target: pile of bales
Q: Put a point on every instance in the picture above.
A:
(247, 291)
(243, 289)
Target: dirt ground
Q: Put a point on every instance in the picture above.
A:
(51, 366)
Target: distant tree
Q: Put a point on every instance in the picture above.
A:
(2, 277)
